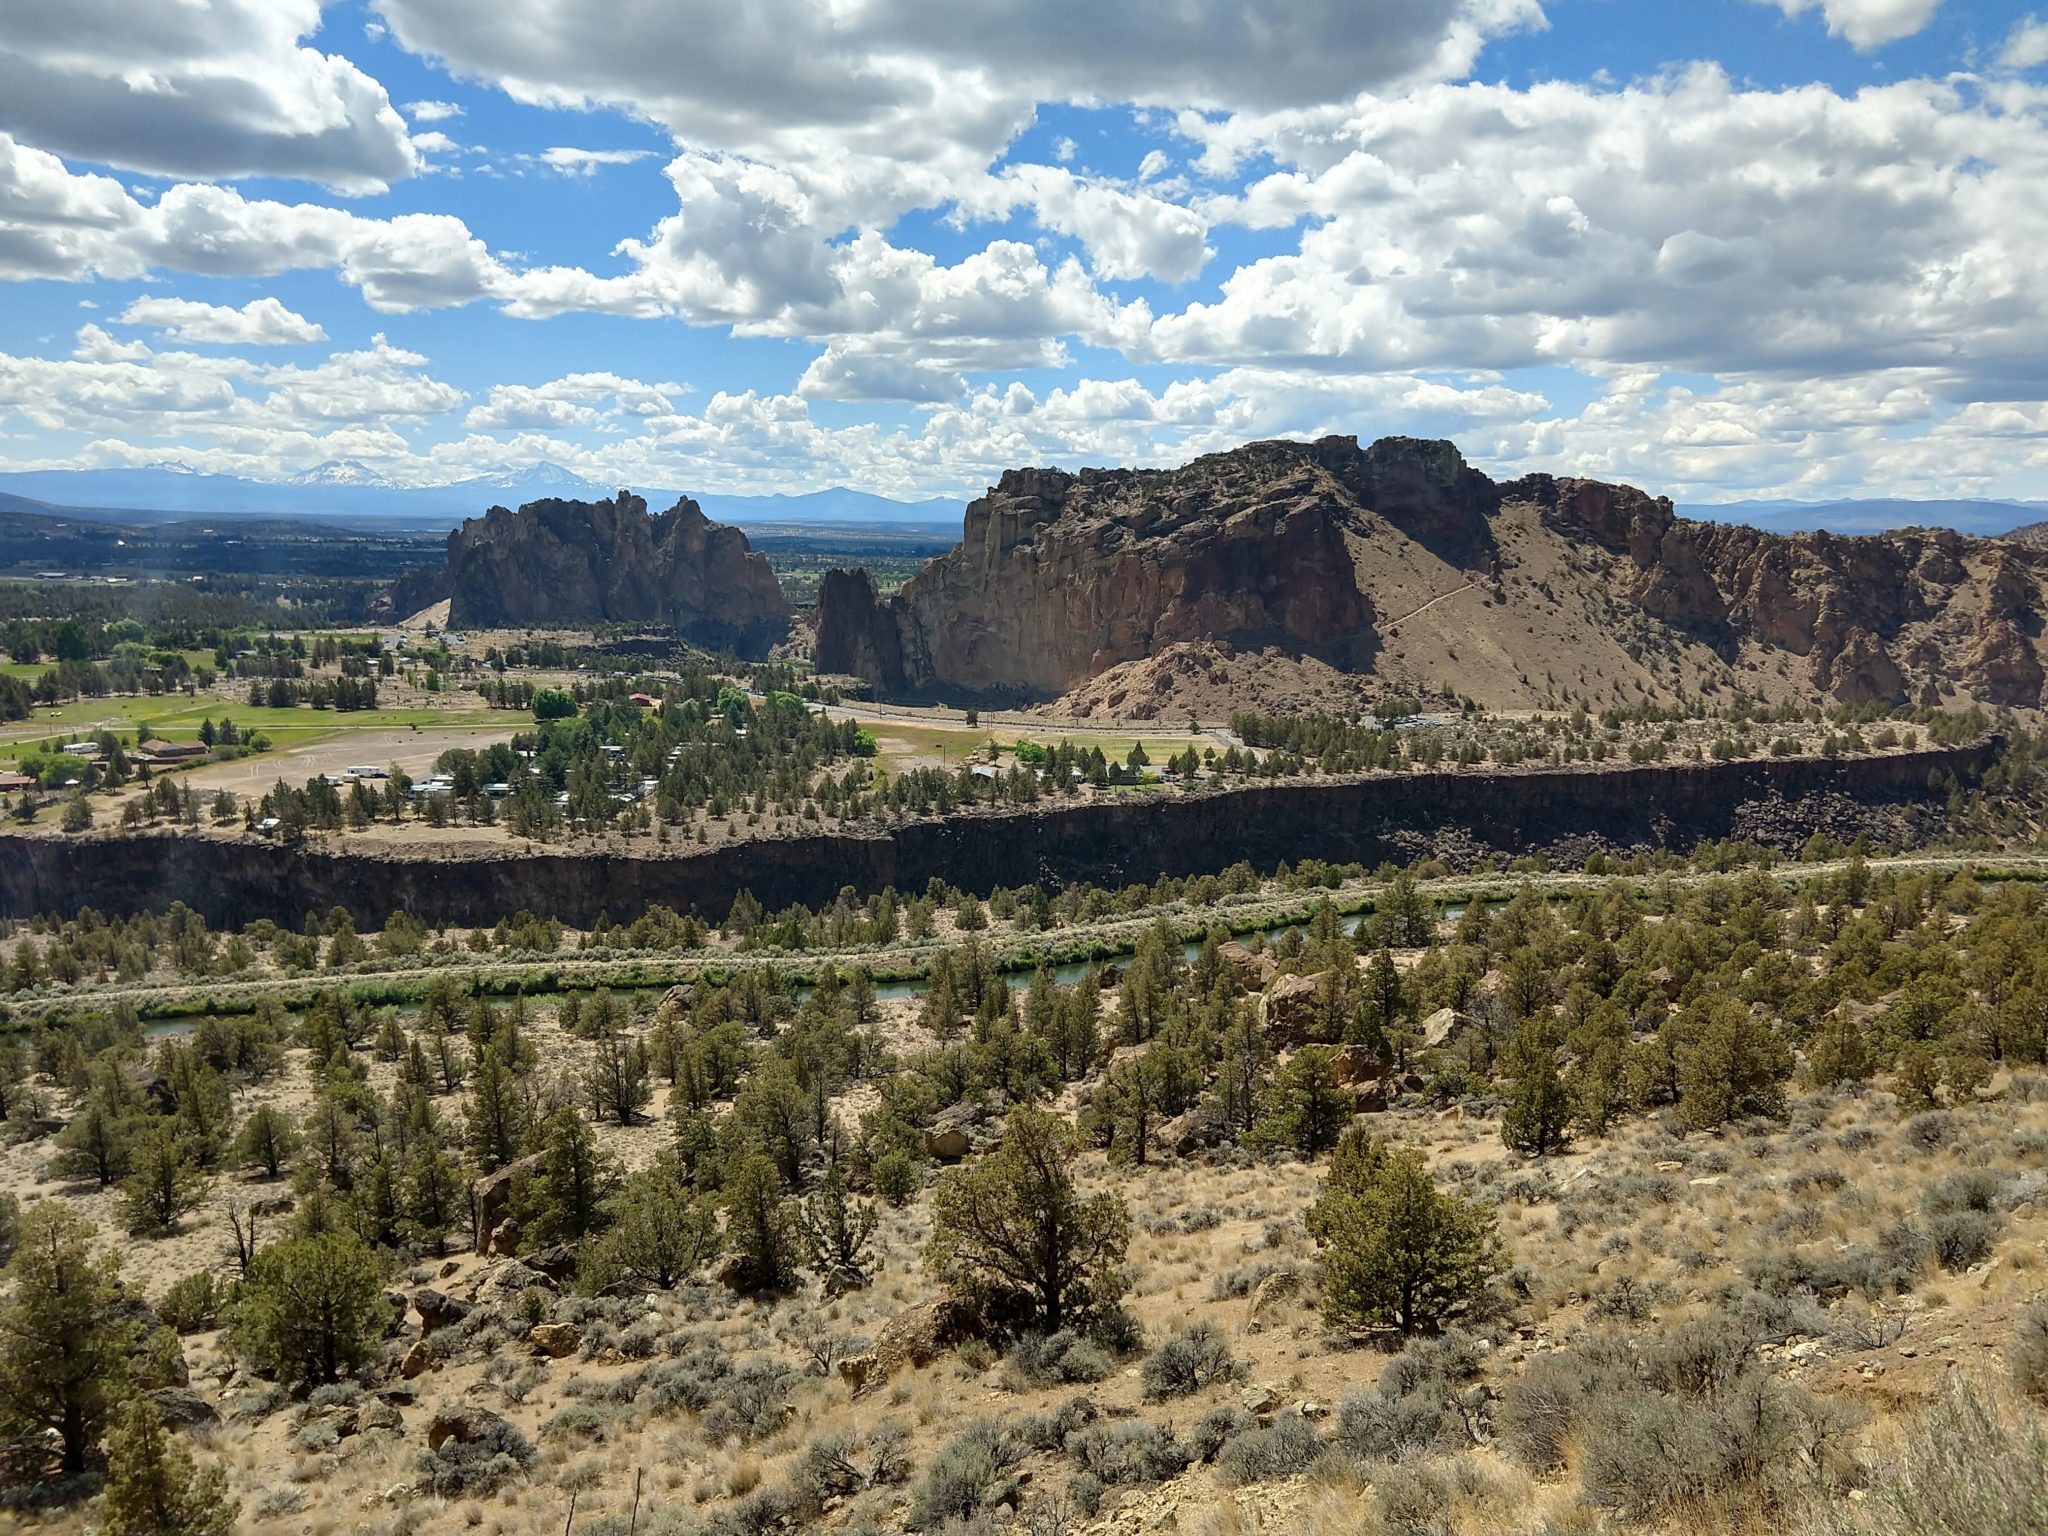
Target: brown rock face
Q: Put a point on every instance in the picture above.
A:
(1402, 564)
(580, 562)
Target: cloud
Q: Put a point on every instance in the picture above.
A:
(1680, 223)
(586, 162)
(1866, 24)
(432, 111)
(221, 89)
(2027, 48)
(260, 322)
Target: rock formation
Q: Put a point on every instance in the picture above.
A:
(1402, 564)
(567, 563)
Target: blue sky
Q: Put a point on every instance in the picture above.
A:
(1722, 249)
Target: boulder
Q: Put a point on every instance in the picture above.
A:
(437, 1310)
(182, 1408)
(1353, 1064)
(417, 1362)
(557, 1261)
(1195, 1131)
(1274, 1294)
(273, 1205)
(1254, 969)
(1289, 1013)
(1445, 1027)
(465, 1424)
(376, 1414)
(504, 1283)
(555, 1340)
(914, 1338)
(491, 1197)
(947, 1143)
(842, 1279)
(504, 1243)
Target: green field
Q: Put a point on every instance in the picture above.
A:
(177, 719)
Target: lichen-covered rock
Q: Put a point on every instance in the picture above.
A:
(555, 1340)
(559, 562)
(914, 1338)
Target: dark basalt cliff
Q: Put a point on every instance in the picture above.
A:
(570, 563)
(1116, 841)
(1325, 548)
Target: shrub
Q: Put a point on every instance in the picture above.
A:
(1217, 1428)
(195, 1303)
(1960, 1239)
(1129, 1451)
(1288, 1445)
(1967, 1469)
(2029, 1357)
(478, 1466)
(1188, 1362)
(970, 1473)
(849, 1462)
(1967, 1189)
(1062, 1357)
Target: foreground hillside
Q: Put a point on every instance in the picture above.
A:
(1281, 574)
(1692, 1199)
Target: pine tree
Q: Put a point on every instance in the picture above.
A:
(1538, 1117)
(498, 1112)
(836, 1228)
(1307, 1109)
(153, 1487)
(433, 1193)
(267, 1140)
(64, 1342)
(660, 1234)
(312, 1307)
(1014, 1225)
(564, 1201)
(1398, 1252)
(165, 1184)
(760, 1226)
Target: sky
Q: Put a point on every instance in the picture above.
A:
(1719, 248)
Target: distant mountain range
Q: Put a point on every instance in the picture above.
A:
(1987, 519)
(345, 489)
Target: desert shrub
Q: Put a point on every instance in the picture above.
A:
(1188, 1362)
(312, 1439)
(1128, 1451)
(2029, 1354)
(1539, 1412)
(1086, 1490)
(1288, 1445)
(1062, 1357)
(1967, 1469)
(1217, 1428)
(579, 1422)
(969, 1473)
(1932, 1131)
(479, 1466)
(850, 1462)
(1415, 1500)
(1421, 1400)
(1049, 1431)
(1960, 1239)
(1236, 1284)
(195, 1303)
(753, 1400)
(1967, 1189)
(760, 1513)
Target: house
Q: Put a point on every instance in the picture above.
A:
(644, 700)
(14, 783)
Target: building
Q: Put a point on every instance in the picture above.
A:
(15, 783)
(155, 751)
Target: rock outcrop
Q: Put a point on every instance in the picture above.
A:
(567, 563)
(1402, 564)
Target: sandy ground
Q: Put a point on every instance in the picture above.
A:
(412, 750)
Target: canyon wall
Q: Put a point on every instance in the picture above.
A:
(1401, 562)
(1115, 841)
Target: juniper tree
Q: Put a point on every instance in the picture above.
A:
(65, 1343)
(1016, 1224)
(1398, 1252)
(153, 1486)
